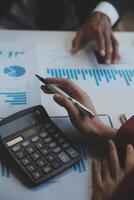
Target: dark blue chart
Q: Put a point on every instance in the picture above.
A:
(5, 169)
(97, 75)
(14, 98)
(81, 165)
(14, 71)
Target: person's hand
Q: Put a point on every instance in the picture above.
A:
(83, 123)
(98, 28)
(107, 177)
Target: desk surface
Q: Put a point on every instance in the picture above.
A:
(117, 103)
(113, 104)
(124, 38)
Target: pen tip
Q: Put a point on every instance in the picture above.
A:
(36, 75)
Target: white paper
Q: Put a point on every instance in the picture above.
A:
(19, 88)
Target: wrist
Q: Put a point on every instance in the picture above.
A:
(103, 15)
(109, 10)
(100, 16)
(104, 131)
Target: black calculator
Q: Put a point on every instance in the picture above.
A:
(36, 144)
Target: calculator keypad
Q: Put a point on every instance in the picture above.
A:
(45, 153)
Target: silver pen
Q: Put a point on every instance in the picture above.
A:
(78, 105)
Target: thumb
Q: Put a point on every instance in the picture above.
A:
(68, 105)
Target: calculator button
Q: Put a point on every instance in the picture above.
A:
(52, 130)
(26, 161)
(35, 139)
(48, 139)
(50, 157)
(31, 168)
(52, 144)
(37, 174)
(43, 135)
(61, 140)
(41, 162)
(72, 152)
(57, 149)
(16, 148)
(56, 164)
(25, 143)
(44, 151)
(36, 156)
(30, 149)
(39, 144)
(20, 154)
(65, 145)
(47, 169)
(48, 126)
(57, 135)
(64, 157)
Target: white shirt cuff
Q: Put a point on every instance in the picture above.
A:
(109, 10)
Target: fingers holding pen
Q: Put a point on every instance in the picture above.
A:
(67, 86)
(73, 112)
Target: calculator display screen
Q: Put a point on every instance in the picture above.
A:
(20, 123)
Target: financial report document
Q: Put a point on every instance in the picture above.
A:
(102, 82)
(18, 64)
(19, 88)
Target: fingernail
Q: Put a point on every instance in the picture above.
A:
(108, 62)
(129, 147)
(115, 61)
(111, 143)
(94, 161)
(102, 53)
(57, 96)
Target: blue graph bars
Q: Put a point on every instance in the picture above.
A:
(127, 75)
(5, 170)
(81, 166)
(4, 165)
(15, 98)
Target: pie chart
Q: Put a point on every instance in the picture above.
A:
(14, 71)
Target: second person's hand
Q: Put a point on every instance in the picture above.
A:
(98, 28)
(84, 124)
(107, 174)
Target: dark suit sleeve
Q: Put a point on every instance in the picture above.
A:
(121, 6)
(124, 137)
(4, 5)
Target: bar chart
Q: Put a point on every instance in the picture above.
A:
(5, 170)
(4, 167)
(14, 98)
(97, 75)
(80, 167)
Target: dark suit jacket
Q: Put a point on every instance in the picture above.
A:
(4, 5)
(84, 7)
(49, 14)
